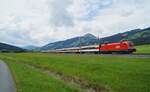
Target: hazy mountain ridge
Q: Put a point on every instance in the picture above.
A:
(31, 47)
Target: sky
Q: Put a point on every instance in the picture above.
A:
(38, 22)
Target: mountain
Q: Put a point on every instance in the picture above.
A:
(9, 48)
(30, 47)
(87, 39)
(138, 36)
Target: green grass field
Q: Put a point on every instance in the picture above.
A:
(104, 73)
(143, 49)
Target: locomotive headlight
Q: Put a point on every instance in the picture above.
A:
(117, 47)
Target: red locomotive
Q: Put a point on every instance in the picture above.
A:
(118, 47)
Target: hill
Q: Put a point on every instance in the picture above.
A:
(9, 48)
(87, 39)
(138, 36)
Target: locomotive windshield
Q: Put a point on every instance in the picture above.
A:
(131, 44)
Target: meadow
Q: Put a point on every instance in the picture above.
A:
(43, 72)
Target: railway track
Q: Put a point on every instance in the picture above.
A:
(133, 55)
(139, 55)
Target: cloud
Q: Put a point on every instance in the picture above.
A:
(59, 15)
(38, 22)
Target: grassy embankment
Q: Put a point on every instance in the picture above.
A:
(116, 74)
(143, 49)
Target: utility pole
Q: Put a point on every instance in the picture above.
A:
(99, 43)
(80, 44)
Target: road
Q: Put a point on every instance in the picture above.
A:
(6, 81)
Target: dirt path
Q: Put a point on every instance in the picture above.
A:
(6, 81)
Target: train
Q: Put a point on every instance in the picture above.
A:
(122, 47)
